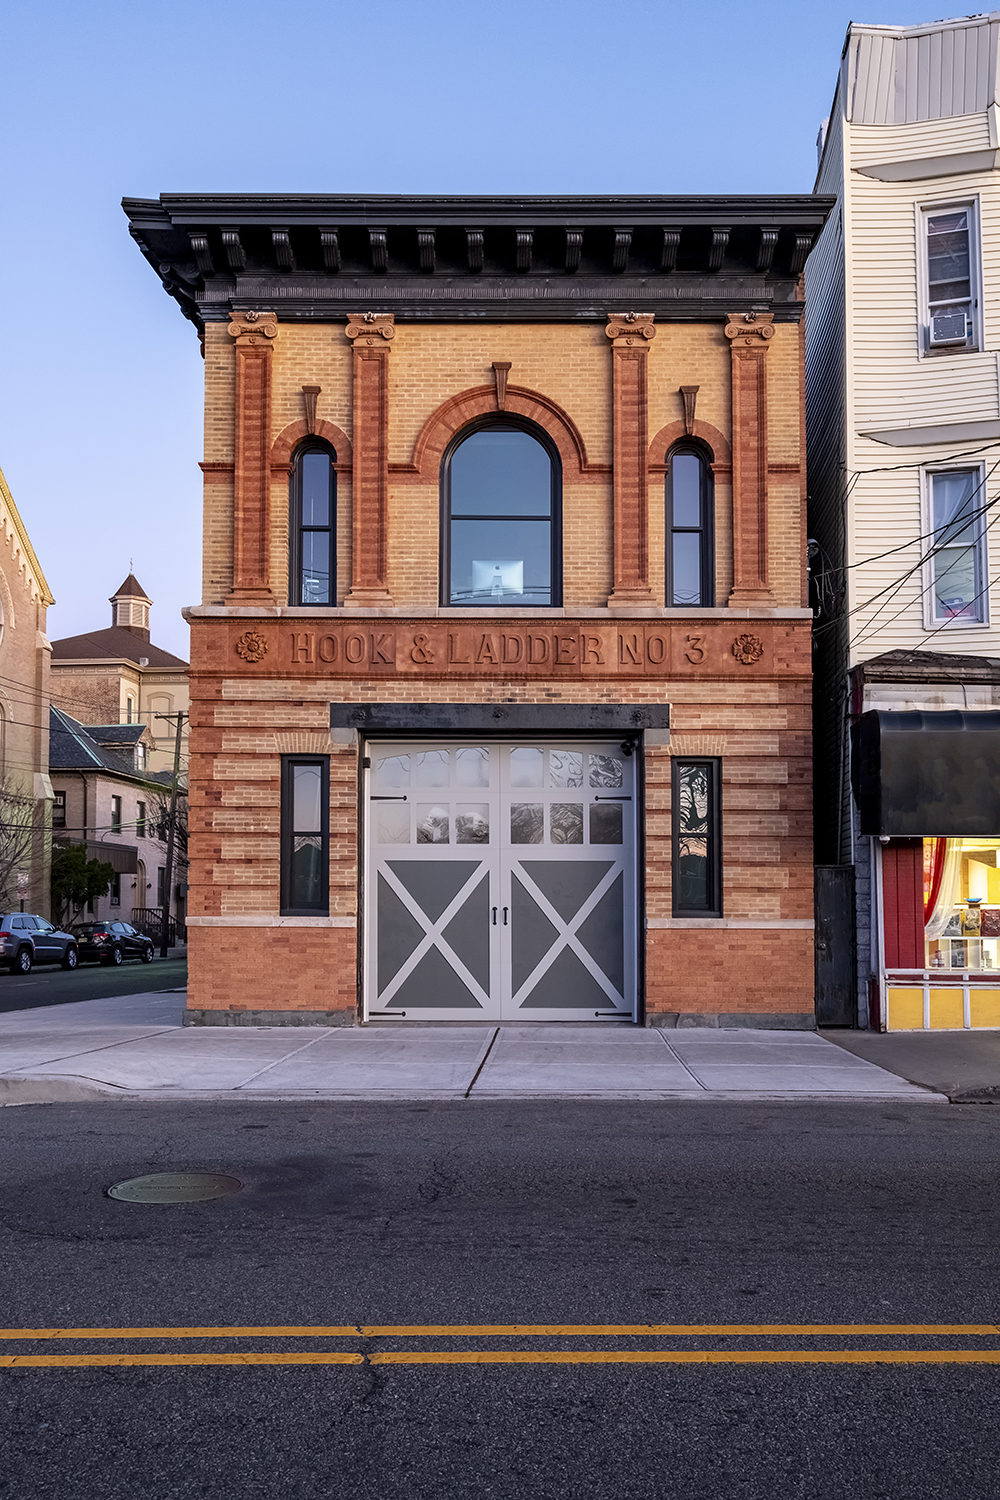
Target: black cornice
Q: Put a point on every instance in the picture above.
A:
(538, 259)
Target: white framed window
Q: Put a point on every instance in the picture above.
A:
(955, 576)
(949, 275)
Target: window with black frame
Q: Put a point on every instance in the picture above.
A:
(305, 835)
(312, 526)
(697, 838)
(690, 563)
(501, 521)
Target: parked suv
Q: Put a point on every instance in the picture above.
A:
(112, 942)
(26, 940)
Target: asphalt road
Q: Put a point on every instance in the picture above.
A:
(51, 985)
(449, 1215)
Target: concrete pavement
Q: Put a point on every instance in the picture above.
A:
(134, 1047)
(965, 1065)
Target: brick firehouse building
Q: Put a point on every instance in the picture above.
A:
(500, 681)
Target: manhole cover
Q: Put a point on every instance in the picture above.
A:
(175, 1187)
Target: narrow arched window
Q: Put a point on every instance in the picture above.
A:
(690, 562)
(313, 526)
(500, 532)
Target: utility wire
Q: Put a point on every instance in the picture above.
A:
(897, 583)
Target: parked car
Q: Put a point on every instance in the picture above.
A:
(26, 939)
(112, 942)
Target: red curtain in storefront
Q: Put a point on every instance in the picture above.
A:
(903, 903)
(932, 888)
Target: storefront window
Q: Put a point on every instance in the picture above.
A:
(962, 903)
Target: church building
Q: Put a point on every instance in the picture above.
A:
(500, 680)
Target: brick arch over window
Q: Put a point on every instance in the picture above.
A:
(285, 444)
(704, 434)
(480, 401)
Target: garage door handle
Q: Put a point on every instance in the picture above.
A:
(505, 916)
(494, 916)
(376, 798)
(612, 799)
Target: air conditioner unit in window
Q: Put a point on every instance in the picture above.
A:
(948, 328)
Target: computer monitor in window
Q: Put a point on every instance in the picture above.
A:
(497, 577)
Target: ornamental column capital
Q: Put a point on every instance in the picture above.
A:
(749, 330)
(371, 329)
(630, 330)
(252, 327)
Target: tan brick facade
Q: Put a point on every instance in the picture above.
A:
(389, 373)
(755, 717)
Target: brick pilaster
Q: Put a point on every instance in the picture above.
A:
(630, 336)
(749, 335)
(371, 335)
(254, 333)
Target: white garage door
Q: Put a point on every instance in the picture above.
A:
(500, 881)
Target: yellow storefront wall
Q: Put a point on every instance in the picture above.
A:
(946, 1008)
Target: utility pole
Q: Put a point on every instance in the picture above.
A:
(168, 873)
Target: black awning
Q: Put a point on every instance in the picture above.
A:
(926, 775)
(123, 858)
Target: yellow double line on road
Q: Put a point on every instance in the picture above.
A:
(192, 1358)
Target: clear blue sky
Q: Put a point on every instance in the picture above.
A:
(100, 375)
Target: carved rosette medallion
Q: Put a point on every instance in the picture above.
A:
(370, 327)
(747, 649)
(253, 327)
(251, 646)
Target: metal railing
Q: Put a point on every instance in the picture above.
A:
(149, 920)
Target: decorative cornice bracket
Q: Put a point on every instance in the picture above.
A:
(623, 243)
(330, 242)
(202, 254)
(282, 245)
(800, 251)
(765, 250)
(718, 248)
(378, 242)
(233, 246)
(425, 244)
(671, 245)
(474, 250)
(574, 246)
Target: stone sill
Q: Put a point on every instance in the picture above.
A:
(713, 924)
(271, 921)
(439, 612)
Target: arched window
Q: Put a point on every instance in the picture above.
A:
(500, 527)
(690, 560)
(312, 526)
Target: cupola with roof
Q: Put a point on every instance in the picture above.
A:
(130, 607)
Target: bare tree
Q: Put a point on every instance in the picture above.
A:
(19, 837)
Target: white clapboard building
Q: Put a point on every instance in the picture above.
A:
(903, 350)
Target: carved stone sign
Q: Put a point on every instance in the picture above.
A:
(490, 648)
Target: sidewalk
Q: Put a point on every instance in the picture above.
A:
(134, 1047)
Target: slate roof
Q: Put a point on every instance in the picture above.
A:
(116, 644)
(116, 734)
(74, 747)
